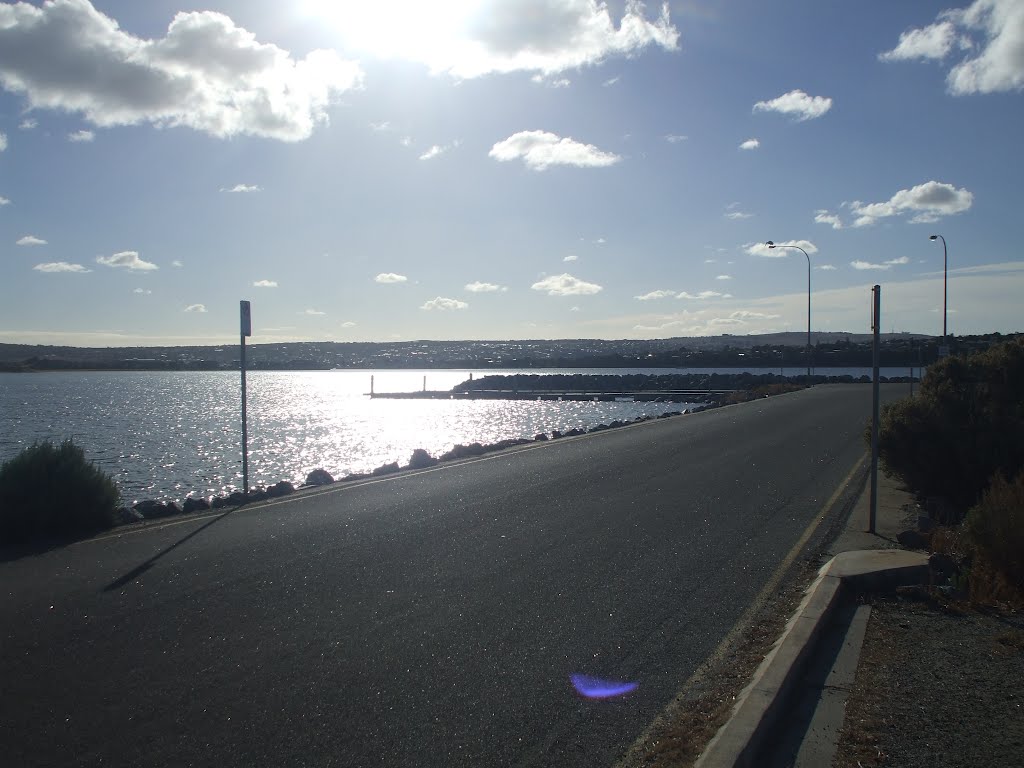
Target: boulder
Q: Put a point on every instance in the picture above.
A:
(218, 502)
(149, 508)
(540, 438)
(236, 499)
(282, 488)
(153, 510)
(386, 469)
(912, 540)
(555, 434)
(421, 459)
(319, 477)
(193, 504)
(127, 515)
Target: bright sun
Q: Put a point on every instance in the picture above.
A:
(415, 29)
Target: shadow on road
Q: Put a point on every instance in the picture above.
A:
(138, 570)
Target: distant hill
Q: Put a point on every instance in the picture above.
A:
(830, 348)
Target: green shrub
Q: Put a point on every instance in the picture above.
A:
(965, 425)
(995, 526)
(52, 493)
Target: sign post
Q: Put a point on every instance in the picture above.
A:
(245, 315)
(875, 325)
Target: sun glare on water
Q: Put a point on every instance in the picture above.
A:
(414, 29)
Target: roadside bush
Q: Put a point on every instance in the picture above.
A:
(965, 426)
(52, 493)
(995, 526)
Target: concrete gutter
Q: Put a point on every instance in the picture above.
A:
(765, 700)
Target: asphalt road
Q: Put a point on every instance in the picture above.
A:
(427, 619)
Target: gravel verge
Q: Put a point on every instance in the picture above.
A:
(939, 685)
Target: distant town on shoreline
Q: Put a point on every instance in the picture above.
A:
(765, 351)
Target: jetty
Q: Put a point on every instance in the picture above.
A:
(662, 396)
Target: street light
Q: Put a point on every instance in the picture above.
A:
(945, 274)
(770, 244)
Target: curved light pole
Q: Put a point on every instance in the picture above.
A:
(945, 274)
(770, 244)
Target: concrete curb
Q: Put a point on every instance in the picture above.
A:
(763, 702)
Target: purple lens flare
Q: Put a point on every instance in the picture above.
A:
(596, 688)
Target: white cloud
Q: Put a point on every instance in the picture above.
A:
(444, 304)
(500, 36)
(348, 324)
(195, 308)
(382, 126)
(675, 138)
(28, 124)
(242, 188)
(479, 287)
(929, 201)
(540, 150)
(825, 217)
(931, 42)
(206, 73)
(437, 150)
(4, 201)
(389, 277)
(703, 295)
(798, 104)
(825, 267)
(30, 240)
(3, 141)
(127, 260)
(558, 82)
(143, 291)
(571, 257)
(761, 249)
(737, 215)
(611, 81)
(655, 295)
(723, 277)
(993, 30)
(750, 144)
(60, 266)
(265, 284)
(313, 313)
(177, 263)
(900, 260)
(566, 285)
(866, 265)
(81, 137)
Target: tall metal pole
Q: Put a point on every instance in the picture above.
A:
(945, 283)
(809, 353)
(770, 244)
(245, 431)
(875, 325)
(245, 317)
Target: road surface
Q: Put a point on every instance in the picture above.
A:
(426, 619)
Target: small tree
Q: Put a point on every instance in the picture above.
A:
(52, 493)
(965, 425)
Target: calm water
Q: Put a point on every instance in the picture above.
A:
(166, 435)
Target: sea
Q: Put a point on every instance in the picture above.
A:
(169, 435)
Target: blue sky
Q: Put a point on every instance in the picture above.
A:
(499, 169)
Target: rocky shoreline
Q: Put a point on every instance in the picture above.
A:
(151, 509)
